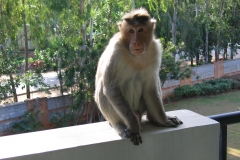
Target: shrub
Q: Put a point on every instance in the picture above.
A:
(236, 78)
(187, 91)
(206, 89)
(214, 86)
(30, 123)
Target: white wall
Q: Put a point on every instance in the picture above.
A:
(196, 139)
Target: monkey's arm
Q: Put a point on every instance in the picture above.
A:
(120, 105)
(129, 127)
(155, 108)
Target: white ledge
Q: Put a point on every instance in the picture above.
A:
(197, 138)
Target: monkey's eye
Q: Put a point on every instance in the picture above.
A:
(131, 31)
(140, 30)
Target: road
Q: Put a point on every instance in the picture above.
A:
(50, 78)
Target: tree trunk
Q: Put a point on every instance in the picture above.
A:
(60, 73)
(0, 10)
(196, 9)
(133, 4)
(217, 46)
(174, 22)
(207, 33)
(13, 88)
(81, 6)
(234, 27)
(216, 54)
(197, 59)
(219, 31)
(191, 61)
(91, 32)
(109, 15)
(231, 54)
(225, 53)
(26, 48)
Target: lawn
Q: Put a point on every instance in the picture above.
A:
(216, 104)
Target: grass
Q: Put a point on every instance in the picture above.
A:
(216, 104)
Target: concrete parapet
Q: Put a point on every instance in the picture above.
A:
(197, 138)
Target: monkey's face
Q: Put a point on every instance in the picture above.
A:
(136, 37)
(137, 45)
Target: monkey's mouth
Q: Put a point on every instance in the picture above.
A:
(137, 51)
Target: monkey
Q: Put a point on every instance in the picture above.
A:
(127, 83)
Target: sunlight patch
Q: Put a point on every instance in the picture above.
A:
(233, 151)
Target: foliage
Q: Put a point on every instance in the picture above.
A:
(235, 77)
(29, 123)
(10, 11)
(73, 52)
(9, 62)
(71, 35)
(34, 79)
(62, 120)
(171, 69)
(74, 116)
(210, 87)
(4, 88)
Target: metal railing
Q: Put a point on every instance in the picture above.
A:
(224, 120)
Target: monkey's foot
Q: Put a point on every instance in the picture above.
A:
(135, 137)
(173, 121)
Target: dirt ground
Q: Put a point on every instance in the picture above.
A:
(211, 105)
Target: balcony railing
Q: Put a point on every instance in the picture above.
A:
(225, 120)
(196, 139)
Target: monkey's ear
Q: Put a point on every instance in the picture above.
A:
(153, 22)
(119, 25)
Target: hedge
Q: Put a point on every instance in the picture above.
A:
(209, 87)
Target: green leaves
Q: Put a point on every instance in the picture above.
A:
(58, 5)
(171, 69)
(29, 123)
(34, 79)
(4, 88)
(210, 87)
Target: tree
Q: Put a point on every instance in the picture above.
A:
(76, 37)
(191, 30)
(219, 28)
(71, 35)
(10, 26)
(9, 61)
(171, 69)
(231, 31)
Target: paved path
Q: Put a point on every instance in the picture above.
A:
(50, 78)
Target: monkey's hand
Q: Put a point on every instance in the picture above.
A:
(135, 137)
(173, 121)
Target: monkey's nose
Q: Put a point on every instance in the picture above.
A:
(136, 43)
